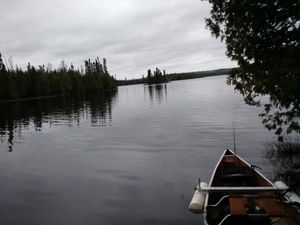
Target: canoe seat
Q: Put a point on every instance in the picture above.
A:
(272, 206)
(235, 171)
(229, 159)
(237, 206)
(235, 176)
(240, 206)
(234, 209)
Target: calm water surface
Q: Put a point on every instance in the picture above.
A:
(131, 157)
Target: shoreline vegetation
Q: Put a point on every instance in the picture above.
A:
(267, 54)
(285, 158)
(44, 82)
(159, 77)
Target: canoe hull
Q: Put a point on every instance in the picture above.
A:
(239, 194)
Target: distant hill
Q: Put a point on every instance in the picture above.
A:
(179, 76)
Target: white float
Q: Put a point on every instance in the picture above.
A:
(197, 203)
(280, 185)
(291, 197)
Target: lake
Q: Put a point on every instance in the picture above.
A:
(131, 157)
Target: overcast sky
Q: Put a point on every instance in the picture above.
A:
(133, 35)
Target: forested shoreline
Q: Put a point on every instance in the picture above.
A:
(165, 77)
(41, 81)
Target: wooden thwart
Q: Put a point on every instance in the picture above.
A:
(241, 189)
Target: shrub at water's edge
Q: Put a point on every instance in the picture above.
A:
(285, 157)
(44, 81)
(267, 52)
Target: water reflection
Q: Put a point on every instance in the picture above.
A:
(285, 158)
(68, 172)
(17, 117)
(157, 92)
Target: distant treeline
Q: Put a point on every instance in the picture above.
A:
(175, 76)
(16, 83)
(199, 74)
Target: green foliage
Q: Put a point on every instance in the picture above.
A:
(264, 38)
(285, 157)
(36, 82)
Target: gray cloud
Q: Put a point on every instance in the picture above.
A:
(133, 35)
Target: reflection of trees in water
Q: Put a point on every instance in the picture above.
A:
(101, 109)
(285, 158)
(19, 116)
(160, 91)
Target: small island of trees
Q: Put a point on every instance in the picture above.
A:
(41, 81)
(156, 77)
